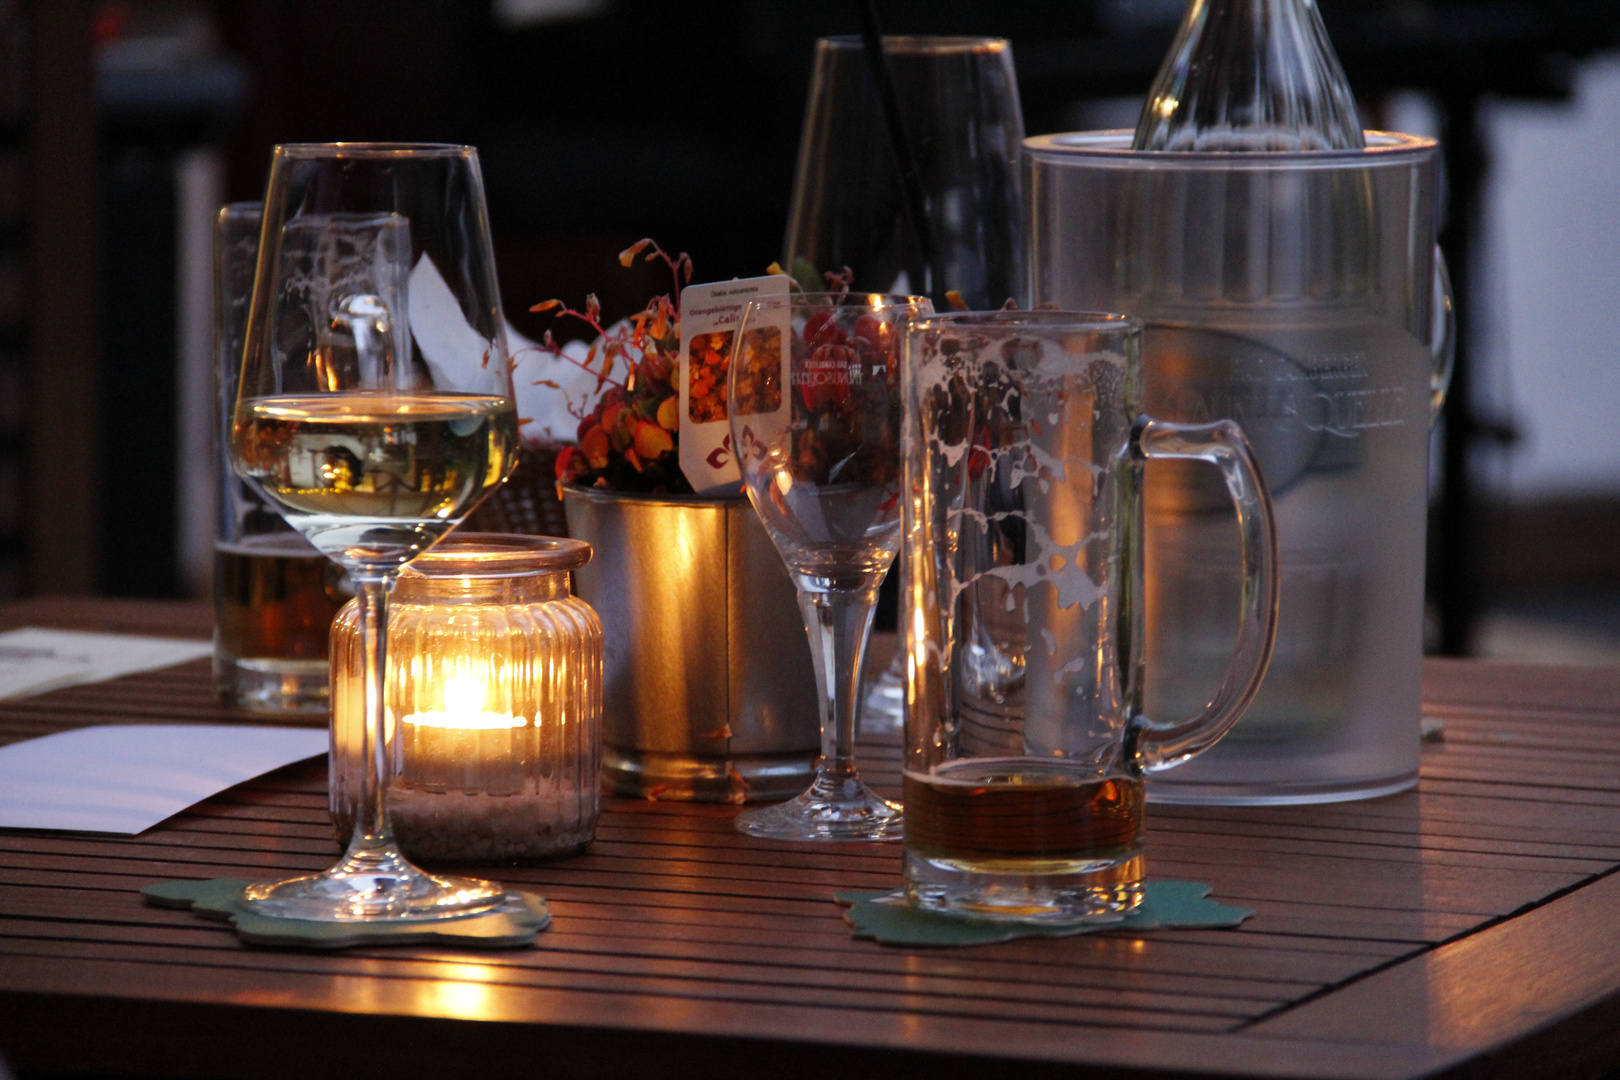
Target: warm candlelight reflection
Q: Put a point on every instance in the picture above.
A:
(463, 991)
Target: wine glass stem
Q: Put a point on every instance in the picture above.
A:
(838, 623)
(373, 838)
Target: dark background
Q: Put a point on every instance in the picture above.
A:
(673, 120)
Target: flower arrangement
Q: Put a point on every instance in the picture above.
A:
(627, 442)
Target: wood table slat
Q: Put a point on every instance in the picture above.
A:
(1462, 927)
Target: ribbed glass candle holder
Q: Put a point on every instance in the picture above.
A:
(494, 703)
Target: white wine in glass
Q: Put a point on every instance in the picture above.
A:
(375, 410)
(374, 474)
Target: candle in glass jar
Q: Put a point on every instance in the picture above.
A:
(494, 674)
(462, 746)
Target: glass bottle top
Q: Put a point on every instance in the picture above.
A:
(1250, 75)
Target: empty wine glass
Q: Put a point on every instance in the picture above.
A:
(958, 99)
(374, 411)
(814, 402)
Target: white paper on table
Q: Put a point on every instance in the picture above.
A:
(125, 779)
(33, 660)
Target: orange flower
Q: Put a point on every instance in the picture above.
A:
(628, 255)
(565, 461)
(627, 439)
(595, 447)
(652, 441)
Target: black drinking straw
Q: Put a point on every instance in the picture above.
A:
(910, 176)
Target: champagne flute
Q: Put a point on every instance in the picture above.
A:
(374, 411)
(815, 419)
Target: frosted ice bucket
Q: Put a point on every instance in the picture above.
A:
(1300, 294)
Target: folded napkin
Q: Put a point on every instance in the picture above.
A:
(552, 393)
(33, 660)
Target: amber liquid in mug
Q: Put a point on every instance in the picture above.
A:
(989, 812)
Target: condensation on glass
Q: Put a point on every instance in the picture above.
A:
(1299, 294)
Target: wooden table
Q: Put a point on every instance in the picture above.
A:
(1469, 928)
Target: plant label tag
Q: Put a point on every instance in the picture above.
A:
(710, 314)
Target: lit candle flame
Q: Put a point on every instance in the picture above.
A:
(464, 696)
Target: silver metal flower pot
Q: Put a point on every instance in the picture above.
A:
(708, 692)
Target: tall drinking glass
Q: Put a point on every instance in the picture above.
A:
(958, 99)
(816, 422)
(374, 411)
(275, 595)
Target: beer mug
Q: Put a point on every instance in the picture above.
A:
(1026, 744)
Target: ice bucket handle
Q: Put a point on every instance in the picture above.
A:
(1156, 746)
(1442, 335)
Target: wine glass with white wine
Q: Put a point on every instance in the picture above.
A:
(375, 410)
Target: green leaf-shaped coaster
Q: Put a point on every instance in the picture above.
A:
(513, 924)
(1166, 905)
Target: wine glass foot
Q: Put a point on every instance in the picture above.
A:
(393, 890)
(827, 811)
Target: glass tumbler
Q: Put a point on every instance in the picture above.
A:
(274, 594)
(959, 99)
(494, 703)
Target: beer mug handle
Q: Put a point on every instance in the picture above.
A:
(1158, 746)
(1442, 335)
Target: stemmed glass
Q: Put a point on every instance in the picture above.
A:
(816, 422)
(374, 411)
(958, 98)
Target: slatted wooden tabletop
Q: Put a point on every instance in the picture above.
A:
(1469, 928)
